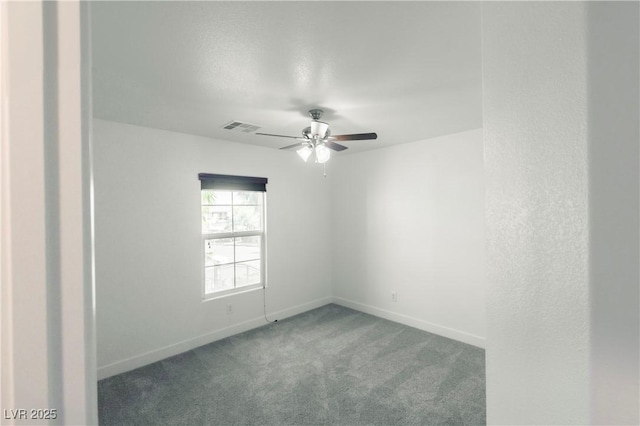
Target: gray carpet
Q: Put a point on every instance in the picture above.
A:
(332, 365)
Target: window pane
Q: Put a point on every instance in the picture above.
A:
(233, 261)
(247, 218)
(248, 248)
(216, 219)
(247, 273)
(218, 278)
(208, 280)
(247, 197)
(218, 251)
(211, 197)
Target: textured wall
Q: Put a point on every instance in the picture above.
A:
(410, 219)
(561, 106)
(536, 157)
(147, 239)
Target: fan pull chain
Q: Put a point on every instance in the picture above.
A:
(324, 169)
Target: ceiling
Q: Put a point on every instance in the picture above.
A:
(406, 70)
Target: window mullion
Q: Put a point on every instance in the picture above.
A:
(240, 234)
(218, 236)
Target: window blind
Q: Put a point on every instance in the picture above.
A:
(234, 183)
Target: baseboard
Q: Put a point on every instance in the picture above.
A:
(186, 345)
(440, 330)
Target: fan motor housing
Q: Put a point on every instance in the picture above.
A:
(306, 132)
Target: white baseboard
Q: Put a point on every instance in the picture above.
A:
(440, 330)
(186, 345)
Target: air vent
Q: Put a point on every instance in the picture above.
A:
(238, 126)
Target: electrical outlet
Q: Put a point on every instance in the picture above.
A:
(394, 296)
(229, 309)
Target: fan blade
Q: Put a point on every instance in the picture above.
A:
(335, 146)
(295, 145)
(282, 136)
(354, 137)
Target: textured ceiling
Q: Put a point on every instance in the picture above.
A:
(408, 71)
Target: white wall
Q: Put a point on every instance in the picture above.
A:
(614, 182)
(47, 339)
(147, 218)
(561, 159)
(535, 122)
(25, 345)
(410, 219)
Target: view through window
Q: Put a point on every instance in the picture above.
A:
(233, 240)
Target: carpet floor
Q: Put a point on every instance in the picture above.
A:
(331, 365)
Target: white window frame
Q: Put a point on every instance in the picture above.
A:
(214, 236)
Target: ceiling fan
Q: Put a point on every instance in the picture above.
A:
(317, 138)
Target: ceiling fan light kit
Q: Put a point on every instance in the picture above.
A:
(317, 139)
(305, 152)
(322, 153)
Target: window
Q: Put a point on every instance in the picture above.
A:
(233, 233)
